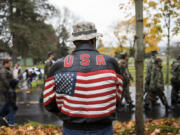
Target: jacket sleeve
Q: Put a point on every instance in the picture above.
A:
(119, 81)
(49, 94)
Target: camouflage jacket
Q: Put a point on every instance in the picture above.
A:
(157, 81)
(149, 68)
(175, 71)
(5, 78)
(127, 77)
(47, 67)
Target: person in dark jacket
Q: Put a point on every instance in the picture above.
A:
(8, 85)
(84, 87)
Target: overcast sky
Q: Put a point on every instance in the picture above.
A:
(104, 13)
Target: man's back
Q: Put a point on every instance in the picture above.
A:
(84, 86)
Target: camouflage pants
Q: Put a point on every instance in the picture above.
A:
(146, 90)
(174, 94)
(126, 95)
(154, 93)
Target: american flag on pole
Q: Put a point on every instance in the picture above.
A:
(79, 94)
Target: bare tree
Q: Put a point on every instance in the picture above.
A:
(64, 19)
(174, 50)
(139, 65)
(170, 12)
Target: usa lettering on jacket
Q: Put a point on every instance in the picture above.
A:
(84, 60)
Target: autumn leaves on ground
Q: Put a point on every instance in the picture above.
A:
(152, 127)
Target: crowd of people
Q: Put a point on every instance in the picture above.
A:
(85, 87)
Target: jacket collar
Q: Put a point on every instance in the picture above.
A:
(86, 47)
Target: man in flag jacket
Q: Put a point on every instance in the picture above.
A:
(84, 87)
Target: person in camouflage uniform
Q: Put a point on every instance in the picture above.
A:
(150, 65)
(127, 77)
(48, 63)
(149, 69)
(156, 87)
(175, 81)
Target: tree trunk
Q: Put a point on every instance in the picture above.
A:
(14, 50)
(168, 47)
(139, 65)
(24, 61)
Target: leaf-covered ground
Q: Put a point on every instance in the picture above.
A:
(152, 127)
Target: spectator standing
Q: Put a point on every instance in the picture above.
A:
(17, 72)
(8, 85)
(84, 87)
(39, 76)
(29, 78)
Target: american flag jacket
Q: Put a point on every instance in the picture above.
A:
(83, 89)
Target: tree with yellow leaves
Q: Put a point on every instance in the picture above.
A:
(125, 30)
(105, 50)
(161, 19)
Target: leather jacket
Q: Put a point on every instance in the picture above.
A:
(84, 60)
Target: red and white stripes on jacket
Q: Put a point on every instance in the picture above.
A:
(95, 94)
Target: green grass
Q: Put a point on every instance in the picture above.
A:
(36, 83)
